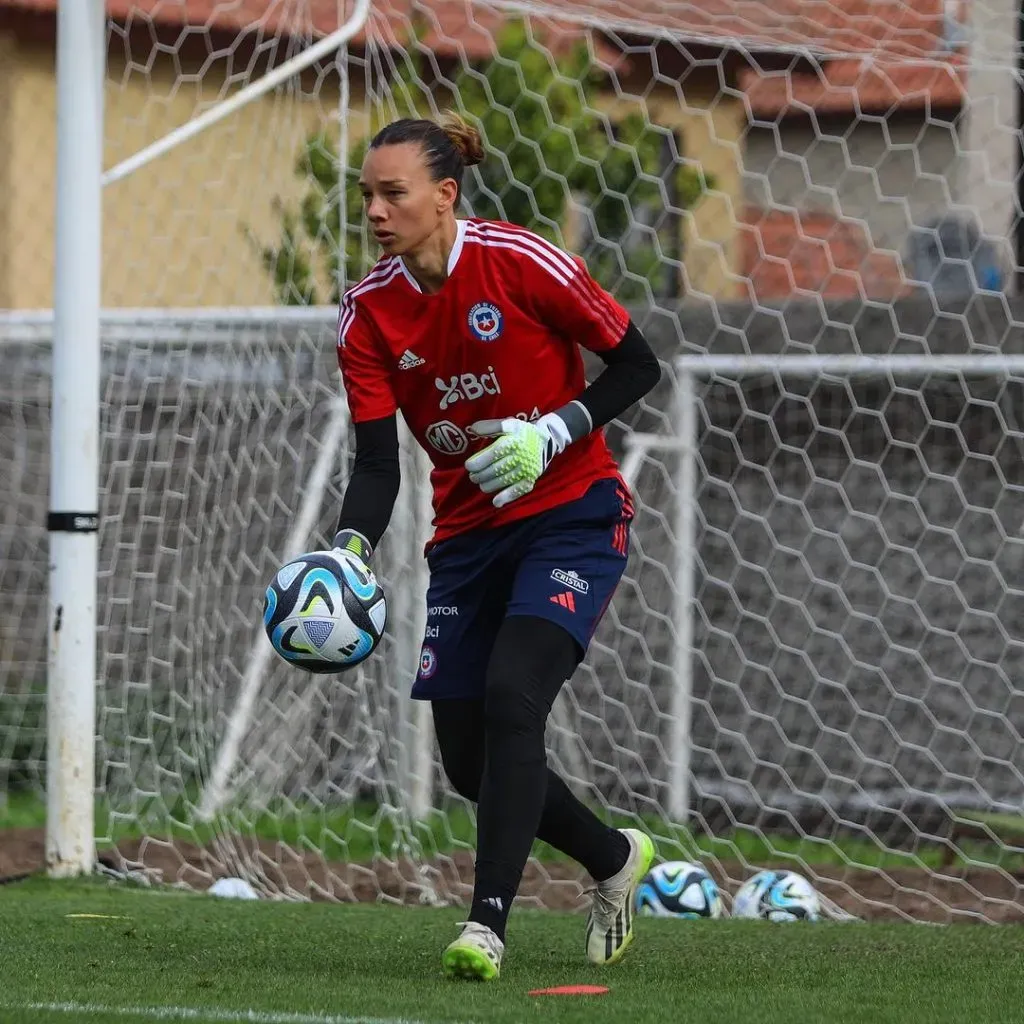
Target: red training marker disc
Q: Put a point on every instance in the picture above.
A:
(571, 990)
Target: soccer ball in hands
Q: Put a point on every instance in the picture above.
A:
(679, 889)
(777, 896)
(324, 612)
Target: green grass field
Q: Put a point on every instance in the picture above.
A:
(167, 955)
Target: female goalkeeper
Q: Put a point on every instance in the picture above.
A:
(470, 328)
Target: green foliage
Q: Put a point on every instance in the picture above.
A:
(548, 147)
(23, 751)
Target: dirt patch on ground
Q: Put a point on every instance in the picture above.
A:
(276, 870)
(22, 852)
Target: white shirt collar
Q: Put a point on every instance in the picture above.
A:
(453, 256)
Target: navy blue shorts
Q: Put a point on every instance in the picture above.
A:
(562, 565)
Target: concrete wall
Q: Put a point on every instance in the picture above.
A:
(990, 135)
(887, 174)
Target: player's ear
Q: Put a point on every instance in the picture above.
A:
(447, 194)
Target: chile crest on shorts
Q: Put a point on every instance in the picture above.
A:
(428, 662)
(485, 321)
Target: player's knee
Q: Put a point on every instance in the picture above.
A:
(515, 704)
(531, 660)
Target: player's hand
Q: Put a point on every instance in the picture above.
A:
(509, 467)
(354, 547)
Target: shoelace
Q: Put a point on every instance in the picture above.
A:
(603, 909)
(490, 940)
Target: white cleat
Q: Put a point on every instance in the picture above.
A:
(475, 955)
(610, 925)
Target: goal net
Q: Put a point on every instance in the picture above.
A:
(814, 659)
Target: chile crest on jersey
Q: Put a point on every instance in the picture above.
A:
(485, 321)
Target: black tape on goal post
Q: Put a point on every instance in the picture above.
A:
(72, 522)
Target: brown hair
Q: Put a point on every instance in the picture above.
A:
(449, 146)
(465, 138)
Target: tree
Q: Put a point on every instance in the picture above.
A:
(548, 147)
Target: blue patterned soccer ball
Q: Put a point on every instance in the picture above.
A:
(322, 613)
(777, 896)
(679, 888)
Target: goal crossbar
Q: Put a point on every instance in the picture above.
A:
(294, 66)
(850, 365)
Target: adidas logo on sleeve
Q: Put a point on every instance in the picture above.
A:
(410, 360)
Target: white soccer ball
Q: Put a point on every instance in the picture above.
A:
(679, 888)
(323, 613)
(777, 896)
(233, 889)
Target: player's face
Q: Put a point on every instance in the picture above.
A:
(403, 206)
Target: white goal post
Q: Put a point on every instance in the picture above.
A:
(81, 66)
(75, 443)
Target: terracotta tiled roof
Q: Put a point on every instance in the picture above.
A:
(223, 13)
(887, 29)
(896, 27)
(854, 85)
(452, 24)
(783, 253)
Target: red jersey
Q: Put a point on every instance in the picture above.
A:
(499, 339)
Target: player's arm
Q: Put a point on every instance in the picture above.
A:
(373, 486)
(564, 295)
(631, 371)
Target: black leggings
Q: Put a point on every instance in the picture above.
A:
(493, 752)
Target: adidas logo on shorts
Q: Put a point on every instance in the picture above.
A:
(410, 360)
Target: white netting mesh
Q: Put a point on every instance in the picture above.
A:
(751, 178)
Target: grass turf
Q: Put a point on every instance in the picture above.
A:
(227, 960)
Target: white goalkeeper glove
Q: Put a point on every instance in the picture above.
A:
(354, 547)
(509, 467)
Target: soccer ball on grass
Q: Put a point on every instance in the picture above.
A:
(679, 888)
(777, 896)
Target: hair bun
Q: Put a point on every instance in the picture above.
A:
(465, 138)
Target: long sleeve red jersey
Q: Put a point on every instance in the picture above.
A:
(499, 339)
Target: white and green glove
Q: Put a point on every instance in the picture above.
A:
(353, 547)
(509, 467)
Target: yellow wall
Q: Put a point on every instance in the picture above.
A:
(8, 55)
(712, 127)
(174, 232)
